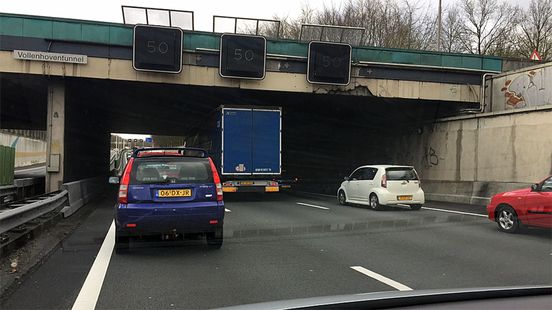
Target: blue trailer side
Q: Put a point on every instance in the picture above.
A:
(250, 148)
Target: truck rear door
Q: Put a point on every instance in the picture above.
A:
(237, 141)
(265, 152)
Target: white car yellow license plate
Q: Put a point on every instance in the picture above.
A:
(404, 197)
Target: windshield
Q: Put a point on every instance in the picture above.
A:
(202, 154)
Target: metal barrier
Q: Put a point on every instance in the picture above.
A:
(18, 216)
(82, 191)
(72, 196)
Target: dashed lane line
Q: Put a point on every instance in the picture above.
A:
(312, 206)
(456, 212)
(382, 279)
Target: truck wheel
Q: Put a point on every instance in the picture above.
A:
(342, 198)
(214, 238)
(122, 243)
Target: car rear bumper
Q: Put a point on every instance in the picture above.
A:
(150, 218)
(387, 198)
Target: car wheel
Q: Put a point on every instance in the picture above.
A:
(214, 238)
(122, 243)
(342, 198)
(507, 219)
(374, 203)
(415, 207)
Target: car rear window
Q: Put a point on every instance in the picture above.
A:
(401, 173)
(170, 170)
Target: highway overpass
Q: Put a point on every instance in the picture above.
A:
(327, 129)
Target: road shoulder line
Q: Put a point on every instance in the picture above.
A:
(90, 291)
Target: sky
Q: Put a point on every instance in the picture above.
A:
(110, 10)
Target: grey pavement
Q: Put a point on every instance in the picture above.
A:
(277, 249)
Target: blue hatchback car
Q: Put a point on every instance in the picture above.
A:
(169, 191)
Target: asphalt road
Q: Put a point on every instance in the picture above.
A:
(34, 171)
(284, 246)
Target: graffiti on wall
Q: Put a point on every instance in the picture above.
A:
(527, 89)
(431, 158)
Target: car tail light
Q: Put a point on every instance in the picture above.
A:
(384, 181)
(216, 178)
(125, 180)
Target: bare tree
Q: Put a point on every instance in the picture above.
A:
(488, 24)
(421, 25)
(452, 34)
(536, 30)
(473, 26)
(290, 28)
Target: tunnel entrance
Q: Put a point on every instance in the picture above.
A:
(324, 136)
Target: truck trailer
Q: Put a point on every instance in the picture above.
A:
(247, 148)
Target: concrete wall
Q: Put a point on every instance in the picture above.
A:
(524, 88)
(468, 159)
(27, 151)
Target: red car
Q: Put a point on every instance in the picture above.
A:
(527, 207)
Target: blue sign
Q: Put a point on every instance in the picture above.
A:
(149, 140)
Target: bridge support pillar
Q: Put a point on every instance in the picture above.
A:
(55, 136)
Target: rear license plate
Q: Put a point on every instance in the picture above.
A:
(246, 183)
(406, 197)
(163, 193)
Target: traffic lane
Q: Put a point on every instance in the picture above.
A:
(452, 206)
(459, 254)
(458, 230)
(374, 223)
(30, 172)
(263, 262)
(56, 282)
(258, 262)
(466, 250)
(280, 209)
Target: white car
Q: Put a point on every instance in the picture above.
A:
(382, 185)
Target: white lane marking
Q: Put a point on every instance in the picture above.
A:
(90, 291)
(316, 194)
(452, 211)
(227, 210)
(382, 279)
(313, 206)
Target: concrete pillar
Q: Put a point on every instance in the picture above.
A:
(55, 134)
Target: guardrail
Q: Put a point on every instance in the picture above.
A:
(13, 218)
(6, 192)
(20, 189)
